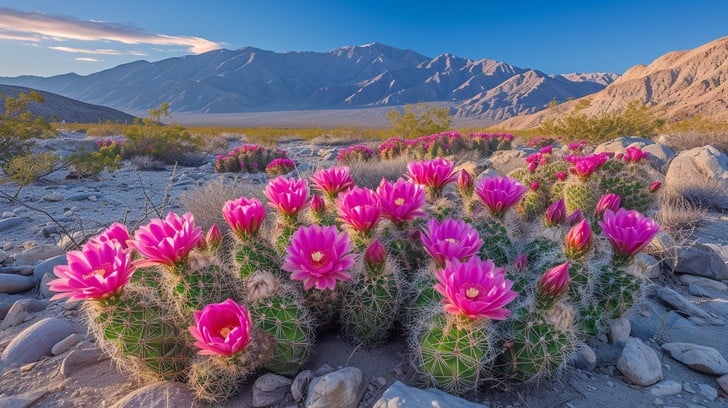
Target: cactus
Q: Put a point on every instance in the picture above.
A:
(282, 236)
(140, 334)
(497, 246)
(423, 297)
(255, 254)
(200, 281)
(579, 194)
(452, 351)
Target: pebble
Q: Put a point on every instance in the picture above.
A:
(80, 358)
(667, 387)
(159, 395)
(3, 255)
(46, 266)
(24, 400)
(300, 383)
(704, 282)
(21, 309)
(8, 246)
(700, 358)
(639, 363)
(44, 289)
(680, 303)
(399, 395)
(585, 358)
(270, 389)
(8, 214)
(53, 197)
(708, 392)
(619, 330)
(339, 389)
(37, 340)
(65, 344)
(15, 283)
(38, 253)
(323, 370)
(8, 223)
(723, 383)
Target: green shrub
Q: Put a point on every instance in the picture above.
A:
(420, 119)
(89, 164)
(18, 127)
(27, 168)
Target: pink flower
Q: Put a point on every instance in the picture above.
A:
(584, 166)
(375, 256)
(287, 195)
(451, 239)
(628, 231)
(534, 186)
(100, 270)
(634, 154)
(609, 201)
(499, 193)
(555, 214)
(520, 265)
(213, 238)
(475, 289)
(654, 186)
(359, 208)
(317, 204)
(574, 217)
(561, 176)
(166, 241)
(434, 174)
(401, 201)
(331, 181)
(116, 231)
(578, 240)
(319, 256)
(546, 150)
(554, 283)
(465, 183)
(244, 216)
(221, 329)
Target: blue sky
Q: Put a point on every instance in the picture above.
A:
(49, 37)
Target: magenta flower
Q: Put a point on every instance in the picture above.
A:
(433, 174)
(609, 201)
(475, 289)
(401, 201)
(465, 184)
(287, 195)
(654, 186)
(319, 256)
(359, 208)
(244, 216)
(375, 256)
(628, 231)
(555, 214)
(331, 181)
(451, 239)
(578, 240)
(116, 232)
(317, 204)
(561, 176)
(100, 270)
(554, 283)
(535, 185)
(166, 241)
(634, 154)
(499, 193)
(222, 329)
(584, 166)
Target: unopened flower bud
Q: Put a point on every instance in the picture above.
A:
(520, 264)
(317, 204)
(654, 186)
(555, 214)
(465, 183)
(375, 256)
(574, 217)
(553, 284)
(609, 201)
(578, 240)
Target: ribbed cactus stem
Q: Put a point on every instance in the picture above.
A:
(255, 254)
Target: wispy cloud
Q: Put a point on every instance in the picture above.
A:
(24, 26)
(106, 51)
(87, 59)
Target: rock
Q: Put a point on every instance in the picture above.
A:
(620, 144)
(38, 253)
(701, 260)
(701, 291)
(619, 330)
(723, 382)
(679, 303)
(3, 255)
(15, 283)
(704, 282)
(641, 331)
(639, 363)
(700, 173)
(159, 395)
(399, 395)
(6, 302)
(43, 288)
(339, 389)
(80, 358)
(700, 358)
(646, 266)
(667, 387)
(708, 392)
(505, 161)
(270, 389)
(8, 223)
(299, 387)
(37, 340)
(584, 358)
(24, 400)
(718, 306)
(660, 155)
(46, 266)
(323, 370)
(20, 311)
(53, 197)
(65, 344)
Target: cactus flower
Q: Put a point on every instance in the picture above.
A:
(561, 176)
(375, 256)
(584, 166)
(476, 289)
(213, 238)
(465, 184)
(116, 231)
(628, 231)
(221, 329)
(451, 239)
(319, 256)
(555, 214)
(317, 204)
(574, 217)
(99, 270)
(499, 193)
(332, 181)
(534, 185)
(433, 174)
(609, 201)
(359, 208)
(654, 186)
(401, 201)
(578, 240)
(287, 195)
(166, 241)
(553, 284)
(244, 216)
(520, 265)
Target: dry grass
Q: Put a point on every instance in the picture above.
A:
(206, 202)
(688, 140)
(678, 216)
(370, 174)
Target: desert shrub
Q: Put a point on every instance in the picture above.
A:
(18, 127)
(167, 143)
(354, 154)
(27, 168)
(540, 141)
(678, 216)
(104, 129)
(88, 164)
(691, 139)
(249, 158)
(147, 163)
(419, 119)
(206, 201)
(635, 119)
(370, 174)
(280, 166)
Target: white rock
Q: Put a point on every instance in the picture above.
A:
(619, 330)
(270, 389)
(667, 387)
(680, 303)
(37, 340)
(160, 395)
(65, 344)
(38, 253)
(399, 395)
(700, 358)
(702, 173)
(708, 392)
(639, 363)
(339, 389)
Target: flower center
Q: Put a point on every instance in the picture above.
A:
(399, 201)
(225, 331)
(317, 256)
(472, 293)
(451, 240)
(99, 272)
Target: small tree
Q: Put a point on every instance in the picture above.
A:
(419, 120)
(149, 137)
(18, 127)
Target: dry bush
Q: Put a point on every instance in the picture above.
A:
(704, 194)
(217, 144)
(678, 216)
(370, 174)
(147, 163)
(206, 202)
(688, 140)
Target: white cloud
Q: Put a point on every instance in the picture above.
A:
(19, 25)
(87, 59)
(106, 51)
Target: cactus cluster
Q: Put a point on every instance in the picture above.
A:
(444, 144)
(250, 158)
(484, 290)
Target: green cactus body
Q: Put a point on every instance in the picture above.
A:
(423, 296)
(541, 340)
(631, 189)
(579, 194)
(255, 254)
(371, 306)
(140, 334)
(617, 291)
(496, 244)
(282, 237)
(214, 379)
(580, 284)
(194, 289)
(452, 351)
(407, 252)
(540, 253)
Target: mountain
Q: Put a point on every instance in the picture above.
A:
(59, 108)
(679, 84)
(371, 75)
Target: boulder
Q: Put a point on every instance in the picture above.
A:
(701, 260)
(399, 395)
(700, 358)
(37, 340)
(505, 161)
(160, 395)
(339, 389)
(639, 363)
(700, 174)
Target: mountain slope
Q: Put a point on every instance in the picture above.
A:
(676, 85)
(59, 108)
(371, 75)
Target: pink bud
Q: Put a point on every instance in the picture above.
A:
(654, 186)
(609, 201)
(534, 186)
(213, 237)
(532, 167)
(554, 283)
(547, 150)
(520, 264)
(375, 256)
(555, 214)
(578, 240)
(619, 156)
(574, 217)
(317, 204)
(465, 183)
(561, 176)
